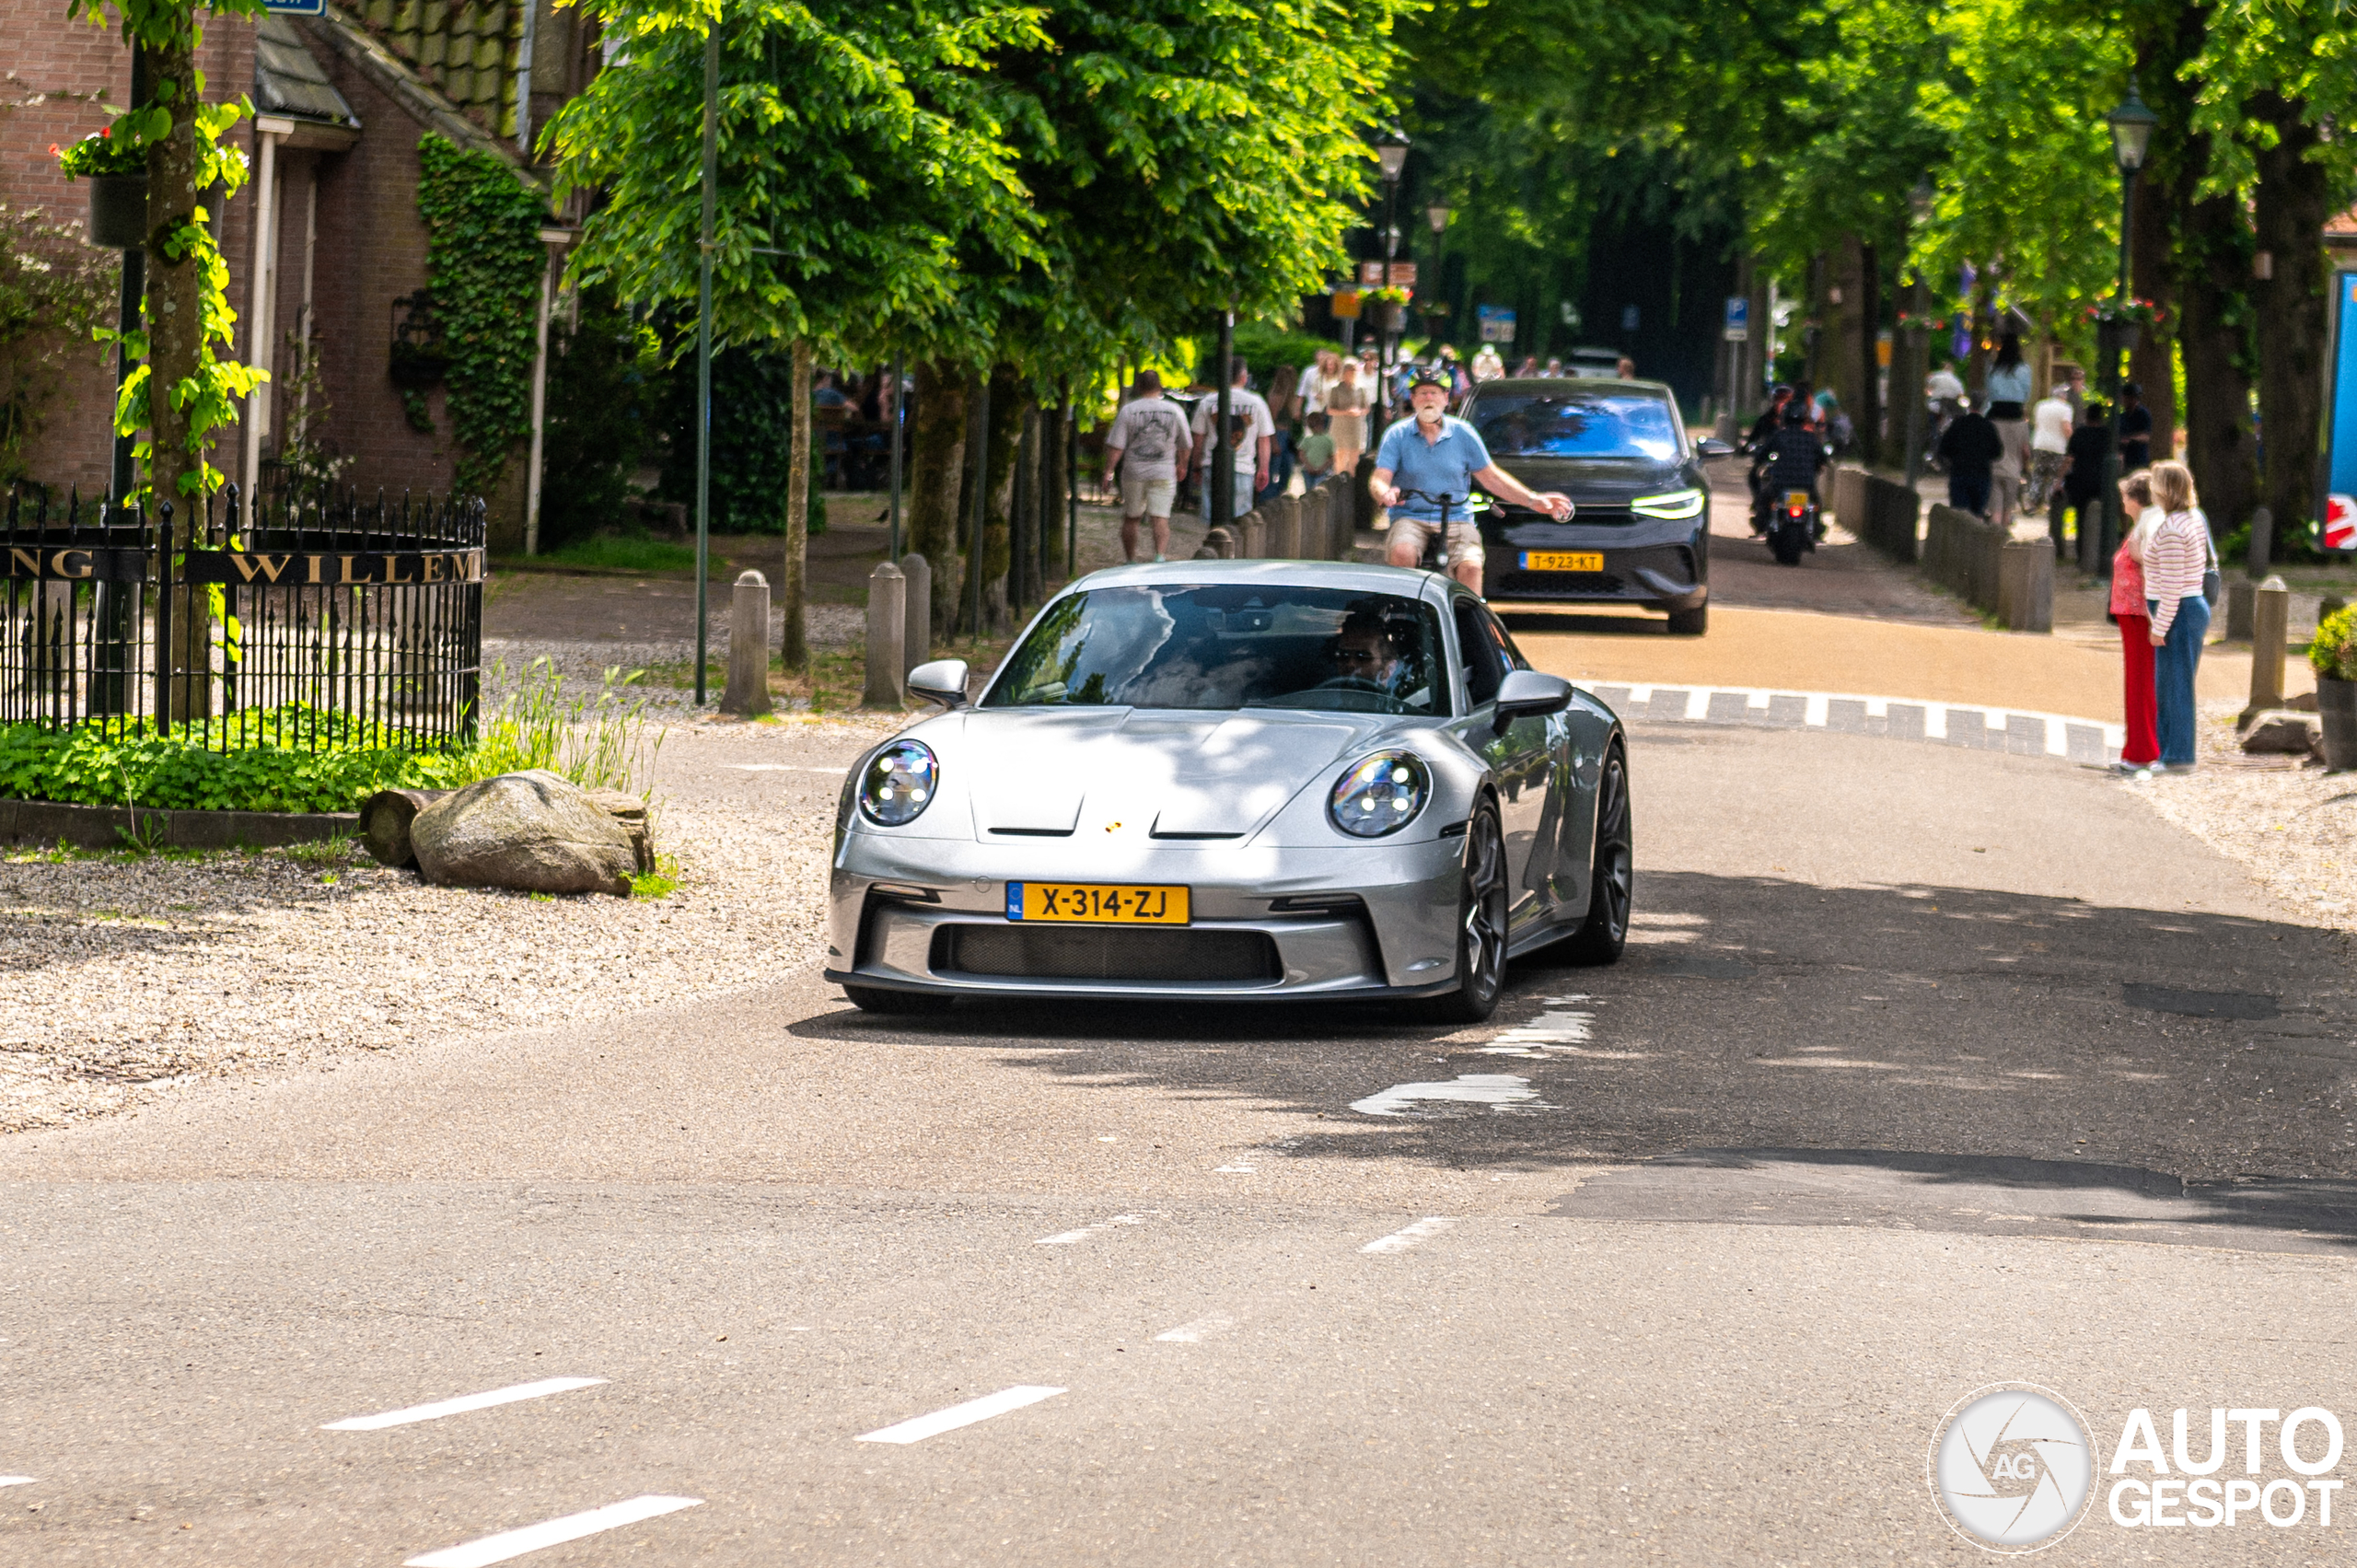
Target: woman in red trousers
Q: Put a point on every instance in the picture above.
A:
(2143, 748)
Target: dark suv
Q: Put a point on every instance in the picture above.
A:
(1619, 450)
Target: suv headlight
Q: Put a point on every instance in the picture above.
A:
(899, 783)
(1675, 504)
(1380, 795)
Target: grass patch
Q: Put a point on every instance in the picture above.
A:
(297, 758)
(659, 883)
(629, 552)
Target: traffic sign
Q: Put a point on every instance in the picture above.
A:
(1497, 323)
(296, 7)
(1738, 324)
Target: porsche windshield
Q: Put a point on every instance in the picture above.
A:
(1577, 425)
(1226, 646)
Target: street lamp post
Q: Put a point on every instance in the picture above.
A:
(1391, 152)
(2131, 132)
(1919, 206)
(1436, 214)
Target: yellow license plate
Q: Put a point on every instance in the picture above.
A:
(1562, 561)
(1797, 498)
(1097, 903)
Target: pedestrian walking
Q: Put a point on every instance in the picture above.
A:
(2008, 397)
(2050, 444)
(1285, 409)
(1317, 450)
(1148, 442)
(1250, 434)
(1346, 406)
(2177, 553)
(1487, 366)
(1322, 373)
(1971, 449)
(2135, 429)
(2142, 747)
(2083, 464)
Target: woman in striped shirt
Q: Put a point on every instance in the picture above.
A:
(2176, 552)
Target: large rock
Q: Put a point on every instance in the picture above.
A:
(534, 832)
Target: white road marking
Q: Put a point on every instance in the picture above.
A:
(1232, 1170)
(554, 1532)
(546, 1386)
(1198, 1331)
(1496, 1090)
(1067, 1238)
(1403, 1239)
(17, 1480)
(779, 768)
(918, 1428)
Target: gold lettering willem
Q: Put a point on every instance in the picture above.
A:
(433, 568)
(314, 563)
(29, 560)
(393, 570)
(347, 576)
(57, 563)
(264, 566)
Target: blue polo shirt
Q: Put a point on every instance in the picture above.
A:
(1444, 466)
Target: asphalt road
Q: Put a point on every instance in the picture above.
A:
(1930, 1068)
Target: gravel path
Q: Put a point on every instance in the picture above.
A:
(122, 977)
(2294, 829)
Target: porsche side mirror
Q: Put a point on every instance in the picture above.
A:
(942, 681)
(1712, 447)
(1527, 693)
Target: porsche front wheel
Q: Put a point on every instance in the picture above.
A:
(1481, 927)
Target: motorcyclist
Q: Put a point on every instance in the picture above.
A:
(1438, 454)
(1770, 418)
(1793, 456)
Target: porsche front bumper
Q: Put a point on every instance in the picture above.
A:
(1351, 921)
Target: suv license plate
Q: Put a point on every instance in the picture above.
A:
(1562, 561)
(1097, 903)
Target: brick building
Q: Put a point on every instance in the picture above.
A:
(341, 102)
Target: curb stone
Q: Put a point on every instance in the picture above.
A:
(2016, 730)
(94, 827)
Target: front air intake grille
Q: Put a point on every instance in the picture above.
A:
(1081, 952)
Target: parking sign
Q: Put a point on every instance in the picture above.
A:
(1738, 324)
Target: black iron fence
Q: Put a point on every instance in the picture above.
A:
(308, 624)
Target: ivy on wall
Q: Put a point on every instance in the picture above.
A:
(483, 260)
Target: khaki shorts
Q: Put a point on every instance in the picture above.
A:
(1463, 538)
(1141, 495)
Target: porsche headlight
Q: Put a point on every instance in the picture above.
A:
(899, 783)
(1380, 795)
(1673, 504)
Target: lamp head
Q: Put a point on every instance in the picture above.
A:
(1437, 215)
(1391, 150)
(2131, 130)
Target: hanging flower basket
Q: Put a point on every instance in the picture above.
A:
(119, 211)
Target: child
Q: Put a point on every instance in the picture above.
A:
(1316, 454)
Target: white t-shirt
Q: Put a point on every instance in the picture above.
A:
(1150, 433)
(1249, 415)
(2050, 426)
(1313, 390)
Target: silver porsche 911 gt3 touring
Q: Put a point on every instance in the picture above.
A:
(1237, 780)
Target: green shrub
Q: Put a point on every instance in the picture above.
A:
(2329, 652)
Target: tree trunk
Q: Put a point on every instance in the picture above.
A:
(937, 485)
(1007, 404)
(2213, 258)
(1867, 414)
(1032, 575)
(2152, 364)
(2294, 200)
(1847, 347)
(795, 646)
(175, 324)
(1054, 491)
(1911, 366)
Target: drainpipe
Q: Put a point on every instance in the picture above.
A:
(268, 130)
(556, 240)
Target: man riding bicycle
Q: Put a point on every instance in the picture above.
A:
(1436, 457)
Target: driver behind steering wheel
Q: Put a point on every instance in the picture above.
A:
(1441, 455)
(1364, 650)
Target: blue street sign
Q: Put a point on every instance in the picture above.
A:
(297, 7)
(1739, 325)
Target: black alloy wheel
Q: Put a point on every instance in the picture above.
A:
(878, 999)
(1612, 880)
(1481, 926)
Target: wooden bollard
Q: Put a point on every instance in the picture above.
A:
(916, 629)
(748, 696)
(2270, 615)
(887, 641)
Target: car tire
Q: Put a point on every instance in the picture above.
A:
(1690, 623)
(1612, 869)
(1481, 927)
(876, 999)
